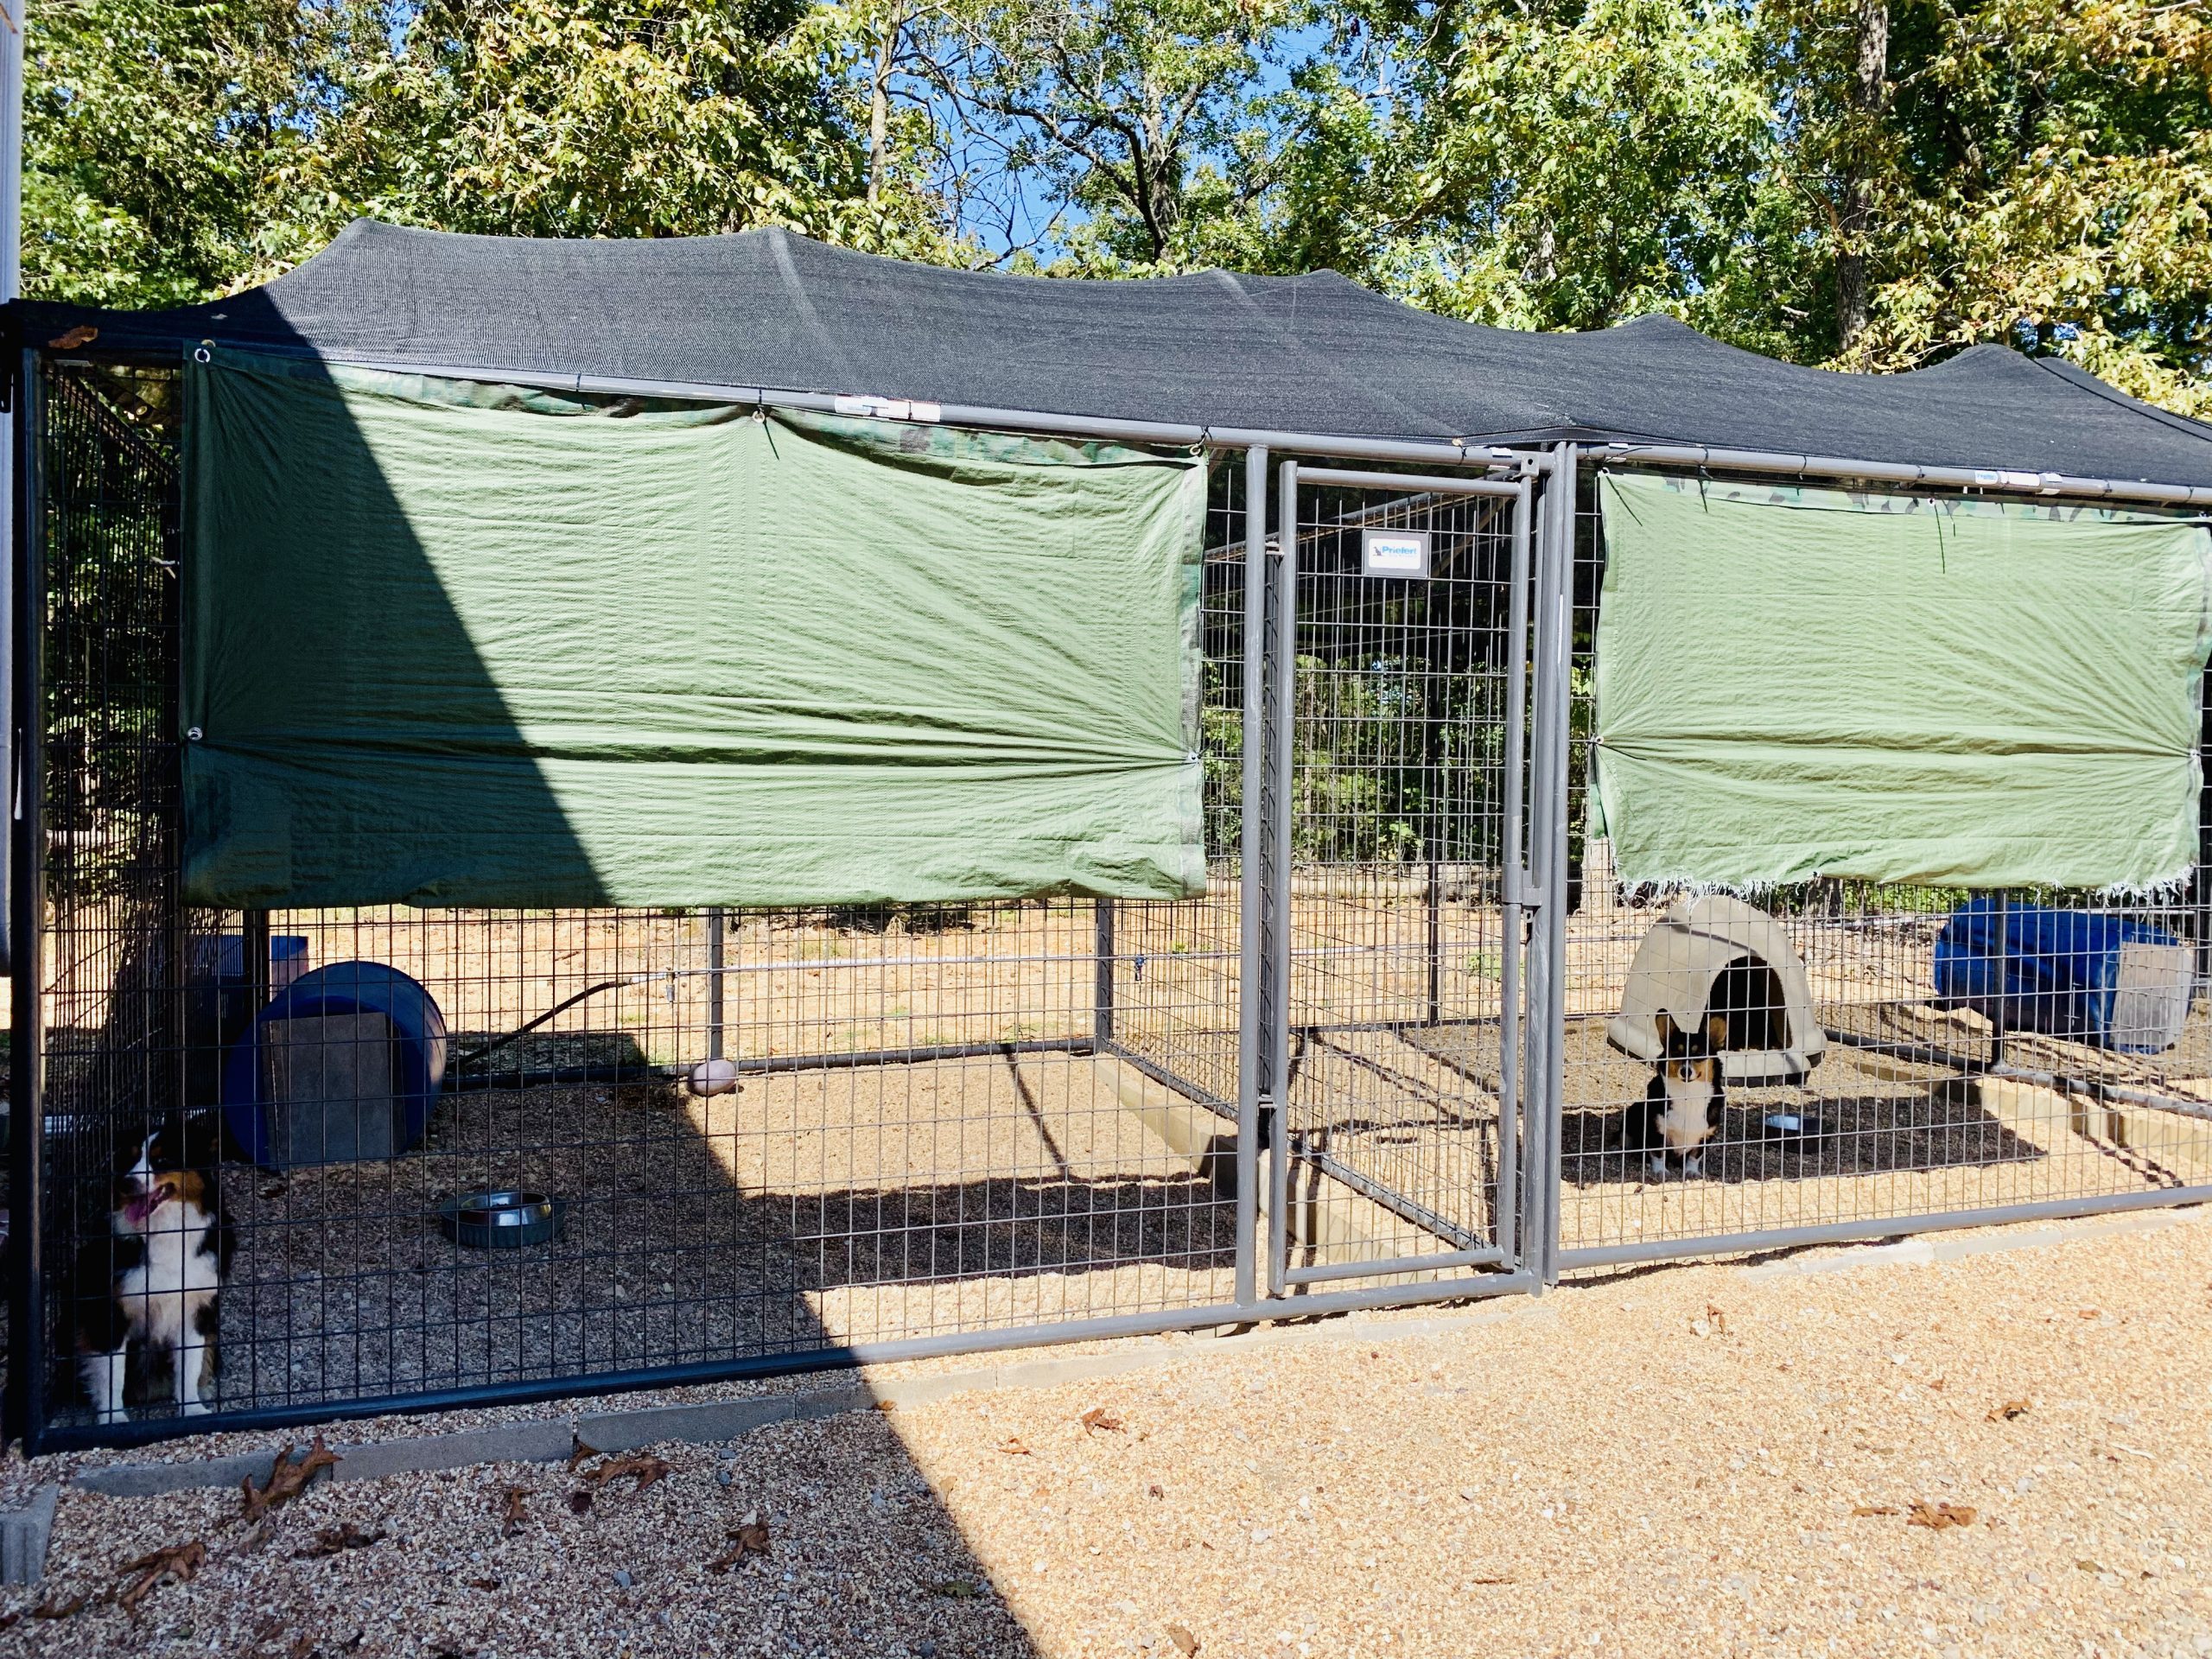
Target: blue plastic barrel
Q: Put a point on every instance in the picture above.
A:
(343, 987)
(2060, 968)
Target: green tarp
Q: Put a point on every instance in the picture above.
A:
(459, 645)
(1796, 683)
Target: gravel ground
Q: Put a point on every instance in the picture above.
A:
(1686, 1460)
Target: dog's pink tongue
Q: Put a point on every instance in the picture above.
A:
(141, 1207)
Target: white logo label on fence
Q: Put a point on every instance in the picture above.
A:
(1395, 552)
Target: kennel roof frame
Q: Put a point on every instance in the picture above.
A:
(766, 316)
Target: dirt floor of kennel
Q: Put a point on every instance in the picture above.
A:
(858, 1197)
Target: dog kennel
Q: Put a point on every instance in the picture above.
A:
(895, 811)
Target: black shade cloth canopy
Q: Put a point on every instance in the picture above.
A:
(1315, 354)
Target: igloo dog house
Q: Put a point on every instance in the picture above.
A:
(1717, 954)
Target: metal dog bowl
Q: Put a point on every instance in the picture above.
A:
(505, 1220)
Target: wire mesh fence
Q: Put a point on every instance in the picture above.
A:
(1958, 1052)
(917, 1139)
(452, 1154)
(463, 1152)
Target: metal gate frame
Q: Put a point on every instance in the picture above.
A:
(1265, 831)
(1269, 1052)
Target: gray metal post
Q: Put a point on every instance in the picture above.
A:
(253, 951)
(1252, 868)
(1435, 938)
(1561, 587)
(1101, 994)
(2004, 963)
(1513, 882)
(1545, 1082)
(26, 1371)
(1538, 896)
(12, 198)
(716, 951)
(1281, 754)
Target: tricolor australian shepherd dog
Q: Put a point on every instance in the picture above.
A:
(1681, 1110)
(148, 1288)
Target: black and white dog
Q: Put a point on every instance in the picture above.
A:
(1681, 1108)
(149, 1285)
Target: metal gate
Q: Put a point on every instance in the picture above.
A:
(1389, 1058)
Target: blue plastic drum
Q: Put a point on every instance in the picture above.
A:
(418, 1060)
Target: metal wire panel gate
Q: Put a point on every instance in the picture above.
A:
(1393, 1007)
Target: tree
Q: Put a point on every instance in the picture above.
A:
(628, 117)
(2051, 186)
(1147, 123)
(151, 131)
(1855, 182)
(1566, 164)
(1866, 183)
(176, 151)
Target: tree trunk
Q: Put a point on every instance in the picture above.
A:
(879, 100)
(1869, 96)
(1157, 163)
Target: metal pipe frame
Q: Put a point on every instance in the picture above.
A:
(716, 964)
(1335, 1273)
(2003, 967)
(26, 1404)
(1848, 1232)
(2124, 1094)
(777, 1063)
(1339, 478)
(1998, 479)
(1348, 1027)
(1433, 917)
(144, 1431)
(768, 1064)
(11, 239)
(1458, 451)
(1450, 452)
(1101, 994)
(1532, 1014)
(254, 958)
(1252, 863)
(1513, 873)
(1546, 889)
(1470, 1250)
(1282, 758)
